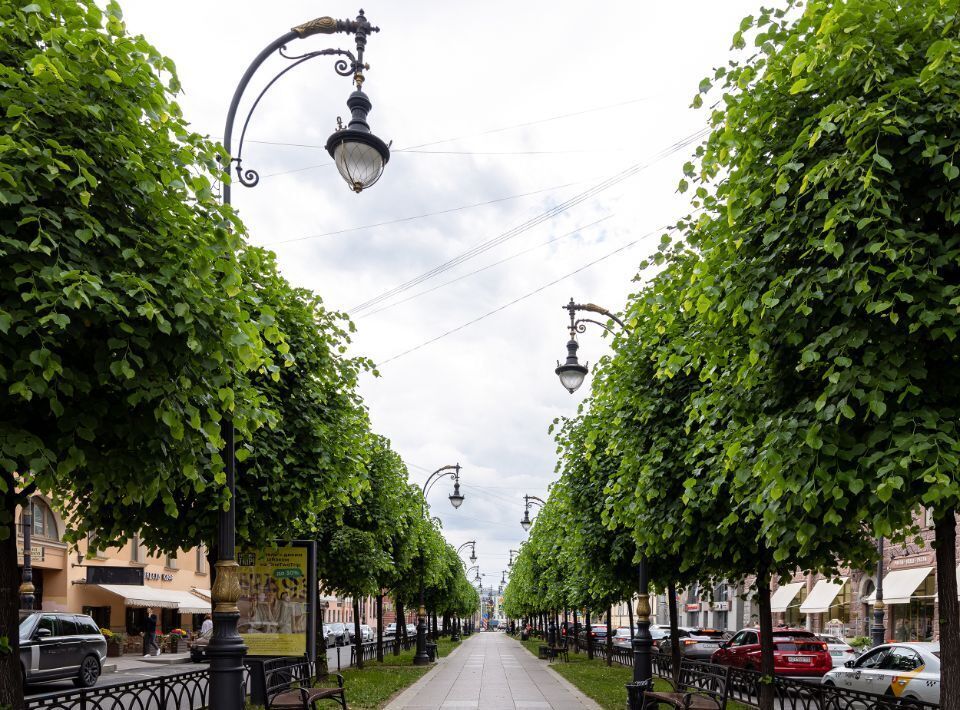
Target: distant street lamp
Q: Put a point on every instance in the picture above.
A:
(456, 500)
(360, 157)
(473, 550)
(27, 589)
(572, 374)
(525, 522)
(512, 553)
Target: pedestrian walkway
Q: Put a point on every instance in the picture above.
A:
(491, 671)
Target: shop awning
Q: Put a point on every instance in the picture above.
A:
(136, 595)
(141, 595)
(900, 584)
(188, 603)
(822, 596)
(784, 595)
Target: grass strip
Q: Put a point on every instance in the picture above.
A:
(605, 685)
(372, 686)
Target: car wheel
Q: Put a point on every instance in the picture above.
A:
(89, 673)
(829, 684)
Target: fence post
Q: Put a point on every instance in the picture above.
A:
(163, 693)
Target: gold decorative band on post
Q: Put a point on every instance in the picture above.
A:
(422, 611)
(27, 588)
(226, 587)
(319, 26)
(643, 608)
(878, 605)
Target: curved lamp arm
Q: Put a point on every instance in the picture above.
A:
(533, 499)
(321, 25)
(579, 325)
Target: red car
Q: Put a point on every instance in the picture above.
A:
(796, 653)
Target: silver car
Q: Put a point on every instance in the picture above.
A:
(905, 670)
(55, 645)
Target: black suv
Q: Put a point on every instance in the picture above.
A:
(55, 645)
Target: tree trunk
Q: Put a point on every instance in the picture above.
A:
(766, 639)
(576, 638)
(11, 684)
(566, 626)
(401, 633)
(674, 637)
(380, 628)
(949, 618)
(610, 635)
(586, 623)
(358, 639)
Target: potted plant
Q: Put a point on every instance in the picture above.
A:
(114, 643)
(174, 638)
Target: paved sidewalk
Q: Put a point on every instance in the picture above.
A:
(491, 671)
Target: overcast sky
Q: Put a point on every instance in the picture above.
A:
(512, 109)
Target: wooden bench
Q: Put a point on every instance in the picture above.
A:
(292, 684)
(702, 686)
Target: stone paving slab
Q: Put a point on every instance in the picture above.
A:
(491, 671)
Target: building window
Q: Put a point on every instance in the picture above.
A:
(136, 549)
(44, 524)
(201, 560)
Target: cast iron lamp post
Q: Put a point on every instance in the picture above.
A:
(525, 522)
(456, 500)
(26, 580)
(360, 158)
(878, 631)
(572, 374)
(512, 553)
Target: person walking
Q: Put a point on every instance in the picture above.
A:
(150, 647)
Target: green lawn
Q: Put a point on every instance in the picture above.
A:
(372, 687)
(605, 685)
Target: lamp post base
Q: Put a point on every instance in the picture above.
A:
(422, 658)
(226, 652)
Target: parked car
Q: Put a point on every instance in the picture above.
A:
(622, 637)
(840, 650)
(906, 670)
(697, 644)
(598, 631)
(198, 647)
(58, 645)
(411, 630)
(366, 633)
(796, 654)
(329, 637)
(340, 635)
(391, 630)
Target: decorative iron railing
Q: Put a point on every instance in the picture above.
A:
(183, 691)
(789, 694)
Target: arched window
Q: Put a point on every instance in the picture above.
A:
(44, 523)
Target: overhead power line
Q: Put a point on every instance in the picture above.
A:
(530, 223)
(482, 269)
(519, 299)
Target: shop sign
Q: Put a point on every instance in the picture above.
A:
(36, 553)
(157, 577)
(912, 561)
(693, 607)
(721, 606)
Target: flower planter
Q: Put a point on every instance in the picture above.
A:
(114, 649)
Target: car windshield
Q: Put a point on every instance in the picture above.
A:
(26, 626)
(832, 639)
(708, 633)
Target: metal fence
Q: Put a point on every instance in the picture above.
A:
(744, 687)
(183, 691)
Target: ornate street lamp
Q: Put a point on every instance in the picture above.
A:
(456, 499)
(27, 589)
(472, 544)
(360, 157)
(512, 553)
(878, 632)
(572, 373)
(571, 376)
(525, 522)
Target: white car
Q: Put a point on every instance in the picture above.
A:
(840, 650)
(391, 630)
(905, 670)
(622, 636)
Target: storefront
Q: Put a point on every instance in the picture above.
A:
(786, 600)
(829, 606)
(910, 598)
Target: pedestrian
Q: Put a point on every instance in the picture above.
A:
(150, 647)
(207, 625)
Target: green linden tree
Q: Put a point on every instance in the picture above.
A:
(124, 332)
(829, 284)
